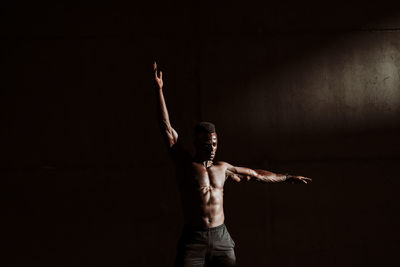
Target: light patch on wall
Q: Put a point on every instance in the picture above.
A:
(351, 85)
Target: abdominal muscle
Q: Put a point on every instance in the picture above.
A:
(205, 210)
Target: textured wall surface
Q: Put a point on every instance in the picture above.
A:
(311, 89)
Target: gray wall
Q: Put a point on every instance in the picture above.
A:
(311, 89)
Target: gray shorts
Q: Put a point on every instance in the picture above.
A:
(205, 247)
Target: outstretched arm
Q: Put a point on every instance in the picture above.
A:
(241, 173)
(169, 133)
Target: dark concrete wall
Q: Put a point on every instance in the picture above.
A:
(312, 89)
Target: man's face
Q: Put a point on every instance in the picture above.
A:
(206, 145)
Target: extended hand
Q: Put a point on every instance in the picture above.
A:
(298, 179)
(158, 78)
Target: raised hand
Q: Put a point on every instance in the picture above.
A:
(298, 179)
(158, 79)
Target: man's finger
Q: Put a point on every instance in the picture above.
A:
(305, 178)
(160, 74)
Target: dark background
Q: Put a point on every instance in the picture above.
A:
(301, 87)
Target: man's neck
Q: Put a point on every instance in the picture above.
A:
(207, 163)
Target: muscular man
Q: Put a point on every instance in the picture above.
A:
(205, 239)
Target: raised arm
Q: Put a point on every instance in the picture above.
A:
(169, 133)
(242, 173)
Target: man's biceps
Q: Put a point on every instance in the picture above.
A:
(235, 169)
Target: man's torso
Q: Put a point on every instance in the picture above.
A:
(202, 191)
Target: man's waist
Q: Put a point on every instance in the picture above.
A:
(203, 228)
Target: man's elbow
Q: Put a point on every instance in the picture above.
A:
(172, 137)
(171, 143)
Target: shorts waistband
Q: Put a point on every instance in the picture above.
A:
(203, 229)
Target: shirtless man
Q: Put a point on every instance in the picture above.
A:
(205, 239)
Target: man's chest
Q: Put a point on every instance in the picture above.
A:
(212, 176)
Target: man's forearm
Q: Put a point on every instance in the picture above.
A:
(269, 177)
(162, 109)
